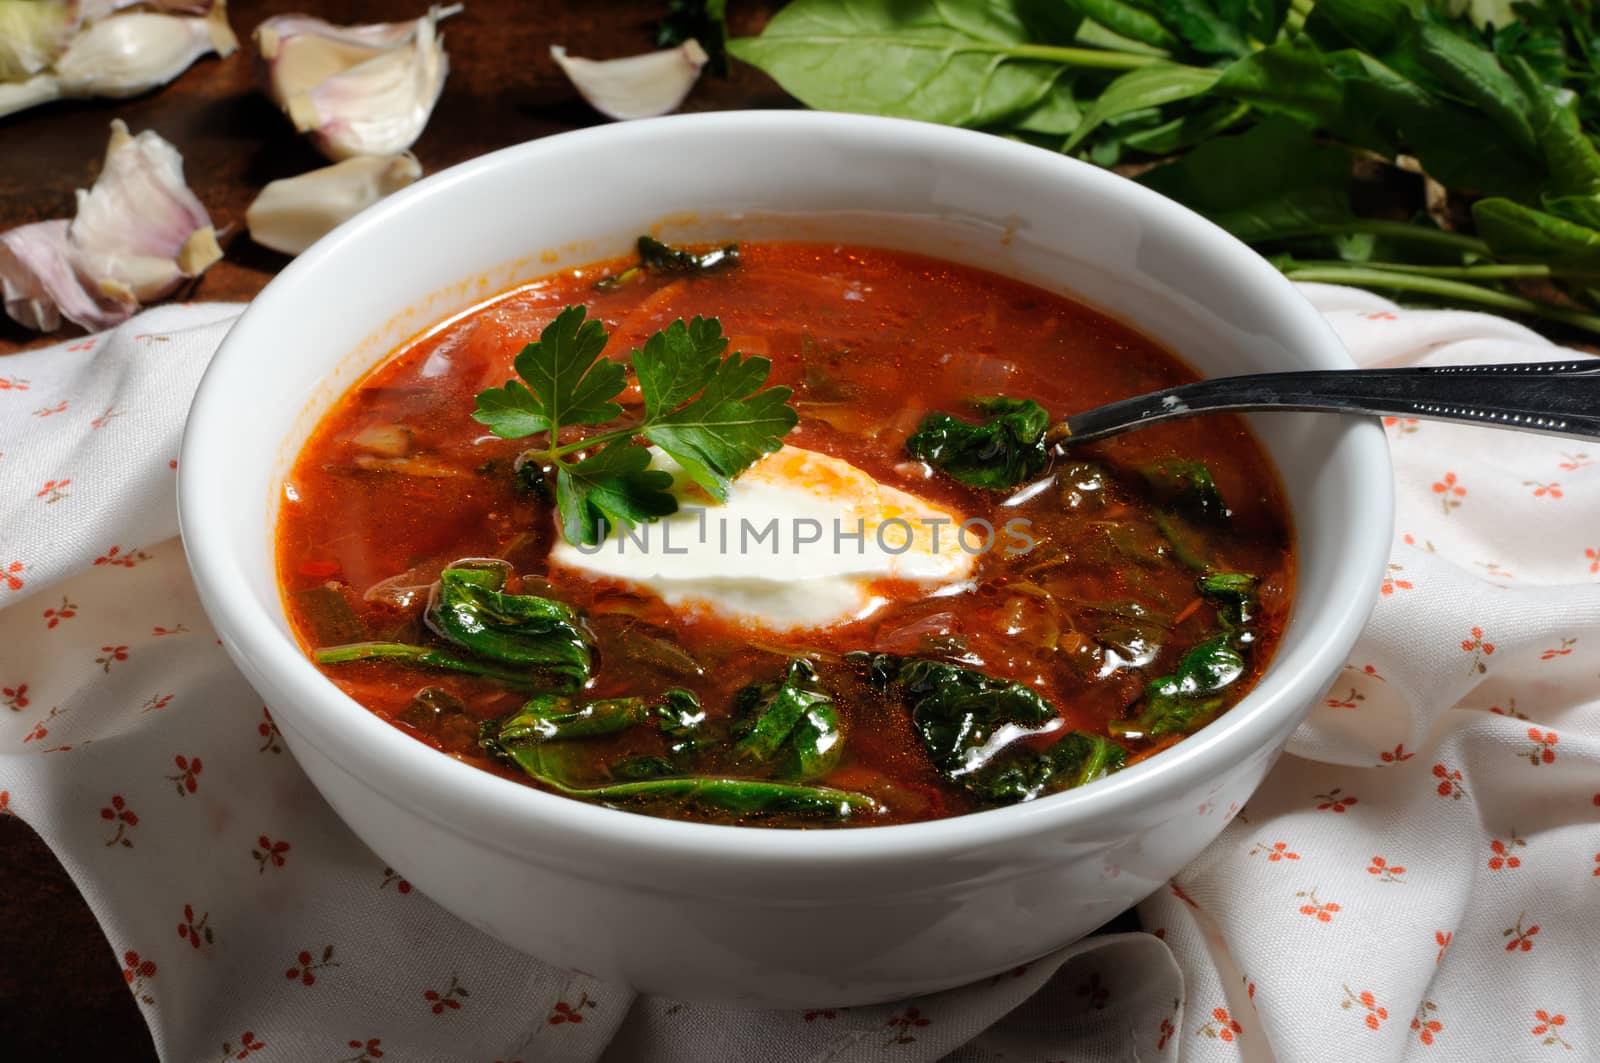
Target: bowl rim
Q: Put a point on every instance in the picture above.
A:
(439, 787)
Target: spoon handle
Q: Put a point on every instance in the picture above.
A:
(1555, 398)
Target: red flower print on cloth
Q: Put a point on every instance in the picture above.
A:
(135, 972)
(39, 729)
(1592, 555)
(187, 780)
(1392, 582)
(391, 875)
(269, 853)
(1510, 710)
(1575, 461)
(1563, 650)
(1442, 938)
(1478, 648)
(110, 655)
(110, 414)
(54, 491)
(1596, 855)
(1549, 1028)
(304, 966)
(366, 1051)
(1502, 857)
(1323, 913)
(1096, 992)
(1333, 801)
(11, 575)
(270, 735)
(193, 930)
(115, 556)
(565, 1013)
(1334, 701)
(1166, 1030)
(820, 1013)
(1376, 1014)
(123, 817)
(1221, 1026)
(15, 698)
(1450, 493)
(5, 807)
(1385, 871)
(902, 1025)
(159, 631)
(1276, 852)
(1521, 939)
(13, 383)
(1426, 1026)
(449, 1000)
(156, 703)
(1403, 426)
(1450, 782)
(1398, 756)
(248, 1043)
(1178, 892)
(1544, 747)
(51, 411)
(53, 617)
(1544, 490)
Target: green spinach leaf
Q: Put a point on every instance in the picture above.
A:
(790, 726)
(1002, 452)
(471, 608)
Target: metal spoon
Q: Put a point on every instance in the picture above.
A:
(1555, 398)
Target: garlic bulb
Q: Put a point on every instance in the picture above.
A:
(139, 233)
(114, 55)
(357, 90)
(640, 86)
(292, 214)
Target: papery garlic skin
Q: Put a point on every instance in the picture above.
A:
(355, 90)
(639, 86)
(40, 284)
(139, 234)
(32, 34)
(292, 214)
(124, 55)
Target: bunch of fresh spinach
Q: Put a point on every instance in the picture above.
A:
(1260, 114)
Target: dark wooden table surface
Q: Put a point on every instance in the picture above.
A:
(62, 996)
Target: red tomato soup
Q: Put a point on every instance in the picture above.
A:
(1123, 595)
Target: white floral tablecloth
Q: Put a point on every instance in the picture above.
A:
(1418, 878)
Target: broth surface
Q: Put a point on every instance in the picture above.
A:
(398, 481)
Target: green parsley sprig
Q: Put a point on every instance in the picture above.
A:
(706, 411)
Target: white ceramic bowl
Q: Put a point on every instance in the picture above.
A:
(770, 917)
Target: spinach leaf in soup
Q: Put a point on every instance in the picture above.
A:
(790, 727)
(470, 607)
(971, 724)
(1003, 451)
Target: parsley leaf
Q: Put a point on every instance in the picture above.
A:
(707, 411)
(614, 486)
(567, 383)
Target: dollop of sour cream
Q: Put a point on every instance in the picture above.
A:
(804, 541)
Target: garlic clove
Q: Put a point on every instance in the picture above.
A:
(140, 208)
(126, 54)
(40, 283)
(357, 90)
(32, 34)
(20, 95)
(639, 86)
(139, 233)
(292, 214)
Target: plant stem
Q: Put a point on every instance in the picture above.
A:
(1458, 291)
(1089, 58)
(1495, 271)
(1395, 230)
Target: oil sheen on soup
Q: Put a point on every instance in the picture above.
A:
(776, 535)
